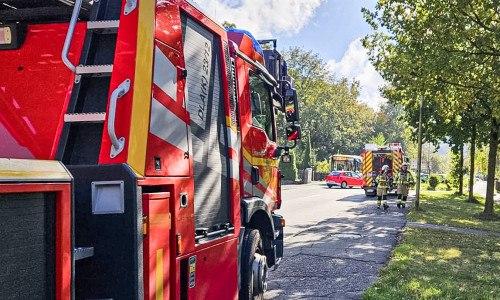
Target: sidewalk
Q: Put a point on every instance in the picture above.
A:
(457, 229)
(479, 188)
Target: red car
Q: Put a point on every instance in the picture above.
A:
(344, 179)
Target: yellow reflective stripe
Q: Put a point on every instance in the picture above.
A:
(396, 161)
(256, 161)
(230, 124)
(367, 167)
(139, 125)
(32, 169)
(159, 274)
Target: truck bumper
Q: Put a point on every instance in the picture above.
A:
(370, 190)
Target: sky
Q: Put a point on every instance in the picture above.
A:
(331, 28)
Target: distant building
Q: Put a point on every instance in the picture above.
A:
(413, 164)
(425, 165)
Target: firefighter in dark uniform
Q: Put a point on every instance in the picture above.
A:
(382, 186)
(404, 180)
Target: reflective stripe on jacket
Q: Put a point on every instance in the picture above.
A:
(404, 177)
(383, 181)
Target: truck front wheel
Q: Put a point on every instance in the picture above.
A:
(253, 267)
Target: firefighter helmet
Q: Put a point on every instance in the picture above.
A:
(404, 164)
(385, 167)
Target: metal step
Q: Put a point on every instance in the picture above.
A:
(97, 70)
(104, 27)
(84, 117)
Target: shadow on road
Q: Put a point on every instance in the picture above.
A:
(337, 258)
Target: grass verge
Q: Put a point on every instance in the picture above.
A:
(446, 208)
(437, 264)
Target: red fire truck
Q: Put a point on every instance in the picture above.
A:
(138, 155)
(373, 158)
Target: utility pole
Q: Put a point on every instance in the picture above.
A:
(419, 155)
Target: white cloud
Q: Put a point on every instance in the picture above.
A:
(263, 17)
(355, 64)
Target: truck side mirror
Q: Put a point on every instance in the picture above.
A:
(293, 132)
(291, 105)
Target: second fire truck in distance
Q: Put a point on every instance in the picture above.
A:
(373, 158)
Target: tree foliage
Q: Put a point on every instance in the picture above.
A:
(329, 107)
(228, 24)
(379, 139)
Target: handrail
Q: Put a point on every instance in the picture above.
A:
(256, 65)
(117, 144)
(69, 36)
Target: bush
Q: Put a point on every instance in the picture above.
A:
(443, 187)
(323, 166)
(423, 187)
(434, 180)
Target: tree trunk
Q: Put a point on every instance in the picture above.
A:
(472, 157)
(461, 173)
(492, 160)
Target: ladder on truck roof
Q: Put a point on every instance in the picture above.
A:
(80, 140)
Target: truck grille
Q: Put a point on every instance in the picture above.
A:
(27, 247)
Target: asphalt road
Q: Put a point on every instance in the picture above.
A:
(335, 242)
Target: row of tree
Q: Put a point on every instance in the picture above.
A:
(332, 118)
(447, 52)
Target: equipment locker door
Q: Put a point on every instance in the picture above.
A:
(156, 235)
(168, 148)
(208, 140)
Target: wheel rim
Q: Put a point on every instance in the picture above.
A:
(259, 274)
(344, 184)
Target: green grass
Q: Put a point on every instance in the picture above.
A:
(437, 264)
(439, 187)
(442, 264)
(446, 208)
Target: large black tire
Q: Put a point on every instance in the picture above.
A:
(329, 186)
(252, 253)
(343, 184)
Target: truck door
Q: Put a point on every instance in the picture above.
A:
(263, 136)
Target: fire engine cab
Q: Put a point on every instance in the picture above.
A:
(138, 155)
(373, 158)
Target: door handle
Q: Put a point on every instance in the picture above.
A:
(255, 175)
